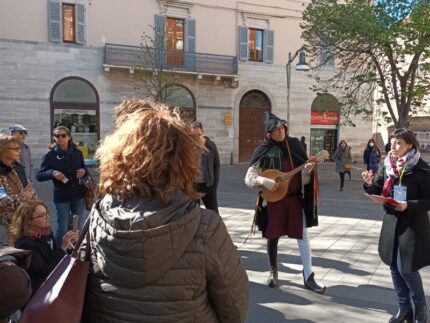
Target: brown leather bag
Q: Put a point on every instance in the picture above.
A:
(61, 296)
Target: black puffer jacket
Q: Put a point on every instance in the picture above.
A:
(163, 263)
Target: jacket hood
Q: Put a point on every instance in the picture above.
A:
(137, 241)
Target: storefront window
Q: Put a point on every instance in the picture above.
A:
(75, 105)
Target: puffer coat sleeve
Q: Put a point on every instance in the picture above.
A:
(227, 281)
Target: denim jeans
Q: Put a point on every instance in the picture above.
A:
(407, 285)
(64, 211)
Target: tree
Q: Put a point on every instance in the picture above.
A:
(379, 45)
(157, 81)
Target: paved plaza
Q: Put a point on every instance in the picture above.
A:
(344, 246)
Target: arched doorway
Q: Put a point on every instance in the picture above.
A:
(251, 128)
(325, 111)
(75, 104)
(179, 96)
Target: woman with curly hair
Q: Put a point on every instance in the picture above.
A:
(156, 255)
(30, 230)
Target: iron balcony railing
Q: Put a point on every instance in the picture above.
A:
(172, 60)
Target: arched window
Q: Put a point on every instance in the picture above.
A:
(255, 98)
(179, 96)
(75, 104)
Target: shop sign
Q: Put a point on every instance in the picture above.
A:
(75, 111)
(327, 118)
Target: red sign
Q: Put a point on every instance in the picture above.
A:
(328, 117)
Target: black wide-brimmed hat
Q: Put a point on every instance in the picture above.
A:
(271, 122)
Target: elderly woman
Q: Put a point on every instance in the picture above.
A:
(14, 186)
(404, 243)
(157, 256)
(30, 230)
(64, 165)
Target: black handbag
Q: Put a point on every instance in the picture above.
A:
(260, 215)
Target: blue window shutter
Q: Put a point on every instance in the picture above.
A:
(243, 43)
(54, 16)
(268, 41)
(190, 44)
(160, 41)
(190, 35)
(80, 24)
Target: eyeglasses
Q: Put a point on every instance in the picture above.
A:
(41, 215)
(62, 135)
(14, 148)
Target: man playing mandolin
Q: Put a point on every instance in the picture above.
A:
(291, 211)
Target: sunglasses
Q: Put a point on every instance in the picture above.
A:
(42, 215)
(62, 135)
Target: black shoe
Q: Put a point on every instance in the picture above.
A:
(420, 314)
(273, 278)
(402, 316)
(312, 285)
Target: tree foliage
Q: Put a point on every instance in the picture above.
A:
(381, 45)
(158, 81)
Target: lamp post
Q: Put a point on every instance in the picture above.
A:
(301, 66)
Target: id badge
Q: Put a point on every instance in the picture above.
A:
(400, 193)
(3, 192)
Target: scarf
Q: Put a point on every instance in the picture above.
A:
(395, 167)
(34, 232)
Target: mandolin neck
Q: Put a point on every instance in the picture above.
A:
(292, 172)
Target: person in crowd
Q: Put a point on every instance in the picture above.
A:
(21, 133)
(388, 145)
(343, 161)
(151, 242)
(15, 284)
(303, 142)
(64, 165)
(404, 242)
(209, 168)
(289, 216)
(14, 185)
(30, 230)
(371, 156)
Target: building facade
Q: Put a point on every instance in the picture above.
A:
(70, 62)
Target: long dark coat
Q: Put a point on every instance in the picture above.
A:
(408, 230)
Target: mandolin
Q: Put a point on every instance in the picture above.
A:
(283, 179)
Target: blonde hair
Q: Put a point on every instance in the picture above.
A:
(152, 153)
(5, 140)
(126, 108)
(22, 219)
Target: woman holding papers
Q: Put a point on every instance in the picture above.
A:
(404, 242)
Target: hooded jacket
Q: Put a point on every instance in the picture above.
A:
(154, 262)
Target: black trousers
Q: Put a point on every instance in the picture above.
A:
(210, 199)
(342, 178)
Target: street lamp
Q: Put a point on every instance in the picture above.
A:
(301, 66)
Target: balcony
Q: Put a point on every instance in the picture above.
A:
(171, 61)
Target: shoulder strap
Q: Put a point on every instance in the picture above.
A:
(84, 233)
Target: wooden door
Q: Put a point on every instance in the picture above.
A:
(251, 130)
(175, 42)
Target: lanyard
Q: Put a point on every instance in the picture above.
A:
(402, 172)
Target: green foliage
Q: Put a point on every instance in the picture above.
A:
(383, 45)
